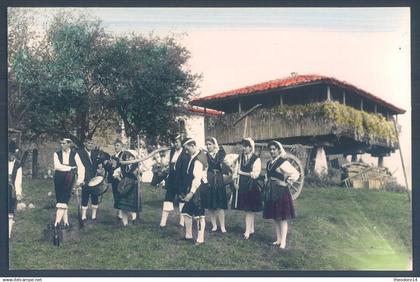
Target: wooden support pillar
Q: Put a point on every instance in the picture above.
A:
(376, 109)
(328, 93)
(281, 100)
(354, 158)
(381, 161)
(344, 97)
(321, 164)
(34, 163)
(361, 104)
(239, 107)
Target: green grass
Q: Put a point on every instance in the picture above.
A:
(335, 229)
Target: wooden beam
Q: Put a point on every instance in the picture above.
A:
(361, 104)
(247, 113)
(328, 93)
(239, 107)
(281, 100)
(344, 97)
(376, 109)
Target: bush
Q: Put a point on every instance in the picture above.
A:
(394, 186)
(332, 179)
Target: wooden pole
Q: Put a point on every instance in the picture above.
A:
(139, 186)
(401, 156)
(34, 163)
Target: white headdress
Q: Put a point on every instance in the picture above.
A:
(280, 146)
(252, 144)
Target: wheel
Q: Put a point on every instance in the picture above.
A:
(296, 187)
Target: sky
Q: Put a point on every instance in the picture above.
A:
(236, 47)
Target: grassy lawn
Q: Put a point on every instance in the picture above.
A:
(335, 229)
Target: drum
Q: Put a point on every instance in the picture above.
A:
(98, 185)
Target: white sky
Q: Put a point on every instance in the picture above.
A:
(235, 47)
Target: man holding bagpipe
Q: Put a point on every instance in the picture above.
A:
(66, 163)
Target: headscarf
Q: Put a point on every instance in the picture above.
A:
(280, 147)
(129, 153)
(216, 144)
(251, 142)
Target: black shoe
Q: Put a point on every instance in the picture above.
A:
(187, 239)
(94, 221)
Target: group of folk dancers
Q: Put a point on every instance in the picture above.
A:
(194, 181)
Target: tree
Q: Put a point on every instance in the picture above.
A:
(20, 37)
(83, 79)
(60, 81)
(149, 81)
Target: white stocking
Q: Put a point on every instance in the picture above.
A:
(181, 217)
(133, 216)
(247, 225)
(58, 216)
(188, 227)
(252, 222)
(124, 217)
(222, 220)
(278, 232)
(11, 221)
(94, 209)
(119, 214)
(164, 218)
(201, 228)
(66, 217)
(283, 228)
(84, 211)
(213, 220)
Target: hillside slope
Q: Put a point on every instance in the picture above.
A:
(335, 229)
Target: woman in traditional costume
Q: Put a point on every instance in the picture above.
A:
(247, 196)
(214, 196)
(278, 202)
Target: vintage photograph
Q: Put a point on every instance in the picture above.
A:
(227, 139)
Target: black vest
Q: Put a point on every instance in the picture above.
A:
(247, 167)
(16, 166)
(272, 170)
(72, 160)
(88, 163)
(190, 171)
(215, 163)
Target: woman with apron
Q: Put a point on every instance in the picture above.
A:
(278, 202)
(247, 196)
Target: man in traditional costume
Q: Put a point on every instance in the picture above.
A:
(111, 166)
(196, 181)
(66, 163)
(175, 182)
(89, 157)
(14, 186)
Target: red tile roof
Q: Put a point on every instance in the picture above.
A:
(205, 111)
(297, 80)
